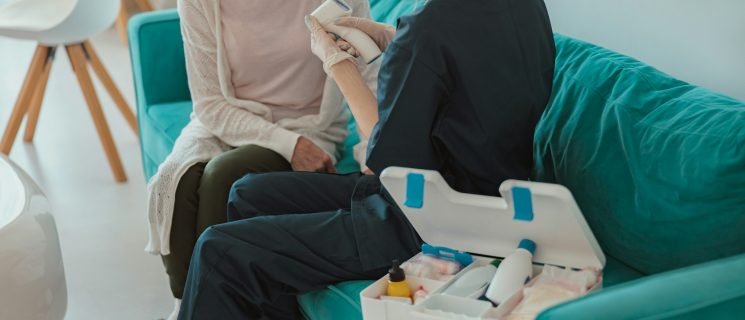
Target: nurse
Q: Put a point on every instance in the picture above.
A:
(461, 88)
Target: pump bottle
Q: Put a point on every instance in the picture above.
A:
(513, 273)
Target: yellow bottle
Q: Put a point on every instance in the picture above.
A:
(397, 285)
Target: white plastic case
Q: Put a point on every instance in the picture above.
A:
(486, 227)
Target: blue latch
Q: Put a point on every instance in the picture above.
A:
(445, 253)
(523, 201)
(414, 190)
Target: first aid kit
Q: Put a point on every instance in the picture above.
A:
(539, 222)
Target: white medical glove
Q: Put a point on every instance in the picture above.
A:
(381, 33)
(324, 46)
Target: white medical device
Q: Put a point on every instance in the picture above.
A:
(331, 10)
(513, 273)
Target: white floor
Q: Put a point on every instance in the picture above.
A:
(102, 224)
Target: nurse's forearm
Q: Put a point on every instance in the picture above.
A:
(361, 100)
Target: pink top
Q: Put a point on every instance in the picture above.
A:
(268, 49)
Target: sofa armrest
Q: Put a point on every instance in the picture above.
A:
(158, 63)
(159, 73)
(712, 290)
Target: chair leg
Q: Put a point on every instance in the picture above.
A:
(32, 118)
(24, 98)
(121, 21)
(77, 59)
(110, 86)
(144, 5)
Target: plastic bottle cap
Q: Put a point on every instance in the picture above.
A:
(396, 274)
(527, 244)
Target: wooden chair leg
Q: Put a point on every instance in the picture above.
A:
(32, 118)
(24, 98)
(78, 61)
(121, 21)
(110, 86)
(144, 5)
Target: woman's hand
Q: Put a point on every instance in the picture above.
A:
(324, 46)
(309, 157)
(381, 33)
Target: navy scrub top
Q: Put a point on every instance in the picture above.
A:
(460, 91)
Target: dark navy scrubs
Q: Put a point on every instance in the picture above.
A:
(461, 89)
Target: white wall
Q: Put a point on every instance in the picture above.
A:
(699, 41)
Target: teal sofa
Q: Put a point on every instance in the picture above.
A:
(657, 166)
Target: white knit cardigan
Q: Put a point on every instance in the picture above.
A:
(220, 121)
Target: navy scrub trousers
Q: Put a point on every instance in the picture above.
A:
(254, 268)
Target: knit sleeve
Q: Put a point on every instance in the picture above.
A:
(233, 125)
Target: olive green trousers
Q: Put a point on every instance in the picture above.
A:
(201, 201)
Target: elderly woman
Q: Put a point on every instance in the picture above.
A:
(262, 102)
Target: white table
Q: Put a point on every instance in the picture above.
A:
(32, 276)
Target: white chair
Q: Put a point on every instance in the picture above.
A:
(68, 24)
(32, 273)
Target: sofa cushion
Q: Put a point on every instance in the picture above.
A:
(616, 272)
(160, 125)
(340, 301)
(165, 121)
(657, 165)
(170, 118)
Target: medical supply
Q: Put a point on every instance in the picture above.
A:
(396, 299)
(397, 285)
(420, 294)
(331, 10)
(425, 266)
(513, 273)
(473, 283)
(437, 263)
(420, 269)
(553, 286)
(444, 253)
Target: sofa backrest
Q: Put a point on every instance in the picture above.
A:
(157, 53)
(388, 11)
(657, 165)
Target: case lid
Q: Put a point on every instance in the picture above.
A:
(544, 213)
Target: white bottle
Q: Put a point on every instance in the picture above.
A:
(473, 283)
(513, 273)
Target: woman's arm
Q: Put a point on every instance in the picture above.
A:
(362, 102)
(362, 13)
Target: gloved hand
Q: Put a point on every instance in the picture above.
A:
(324, 47)
(381, 33)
